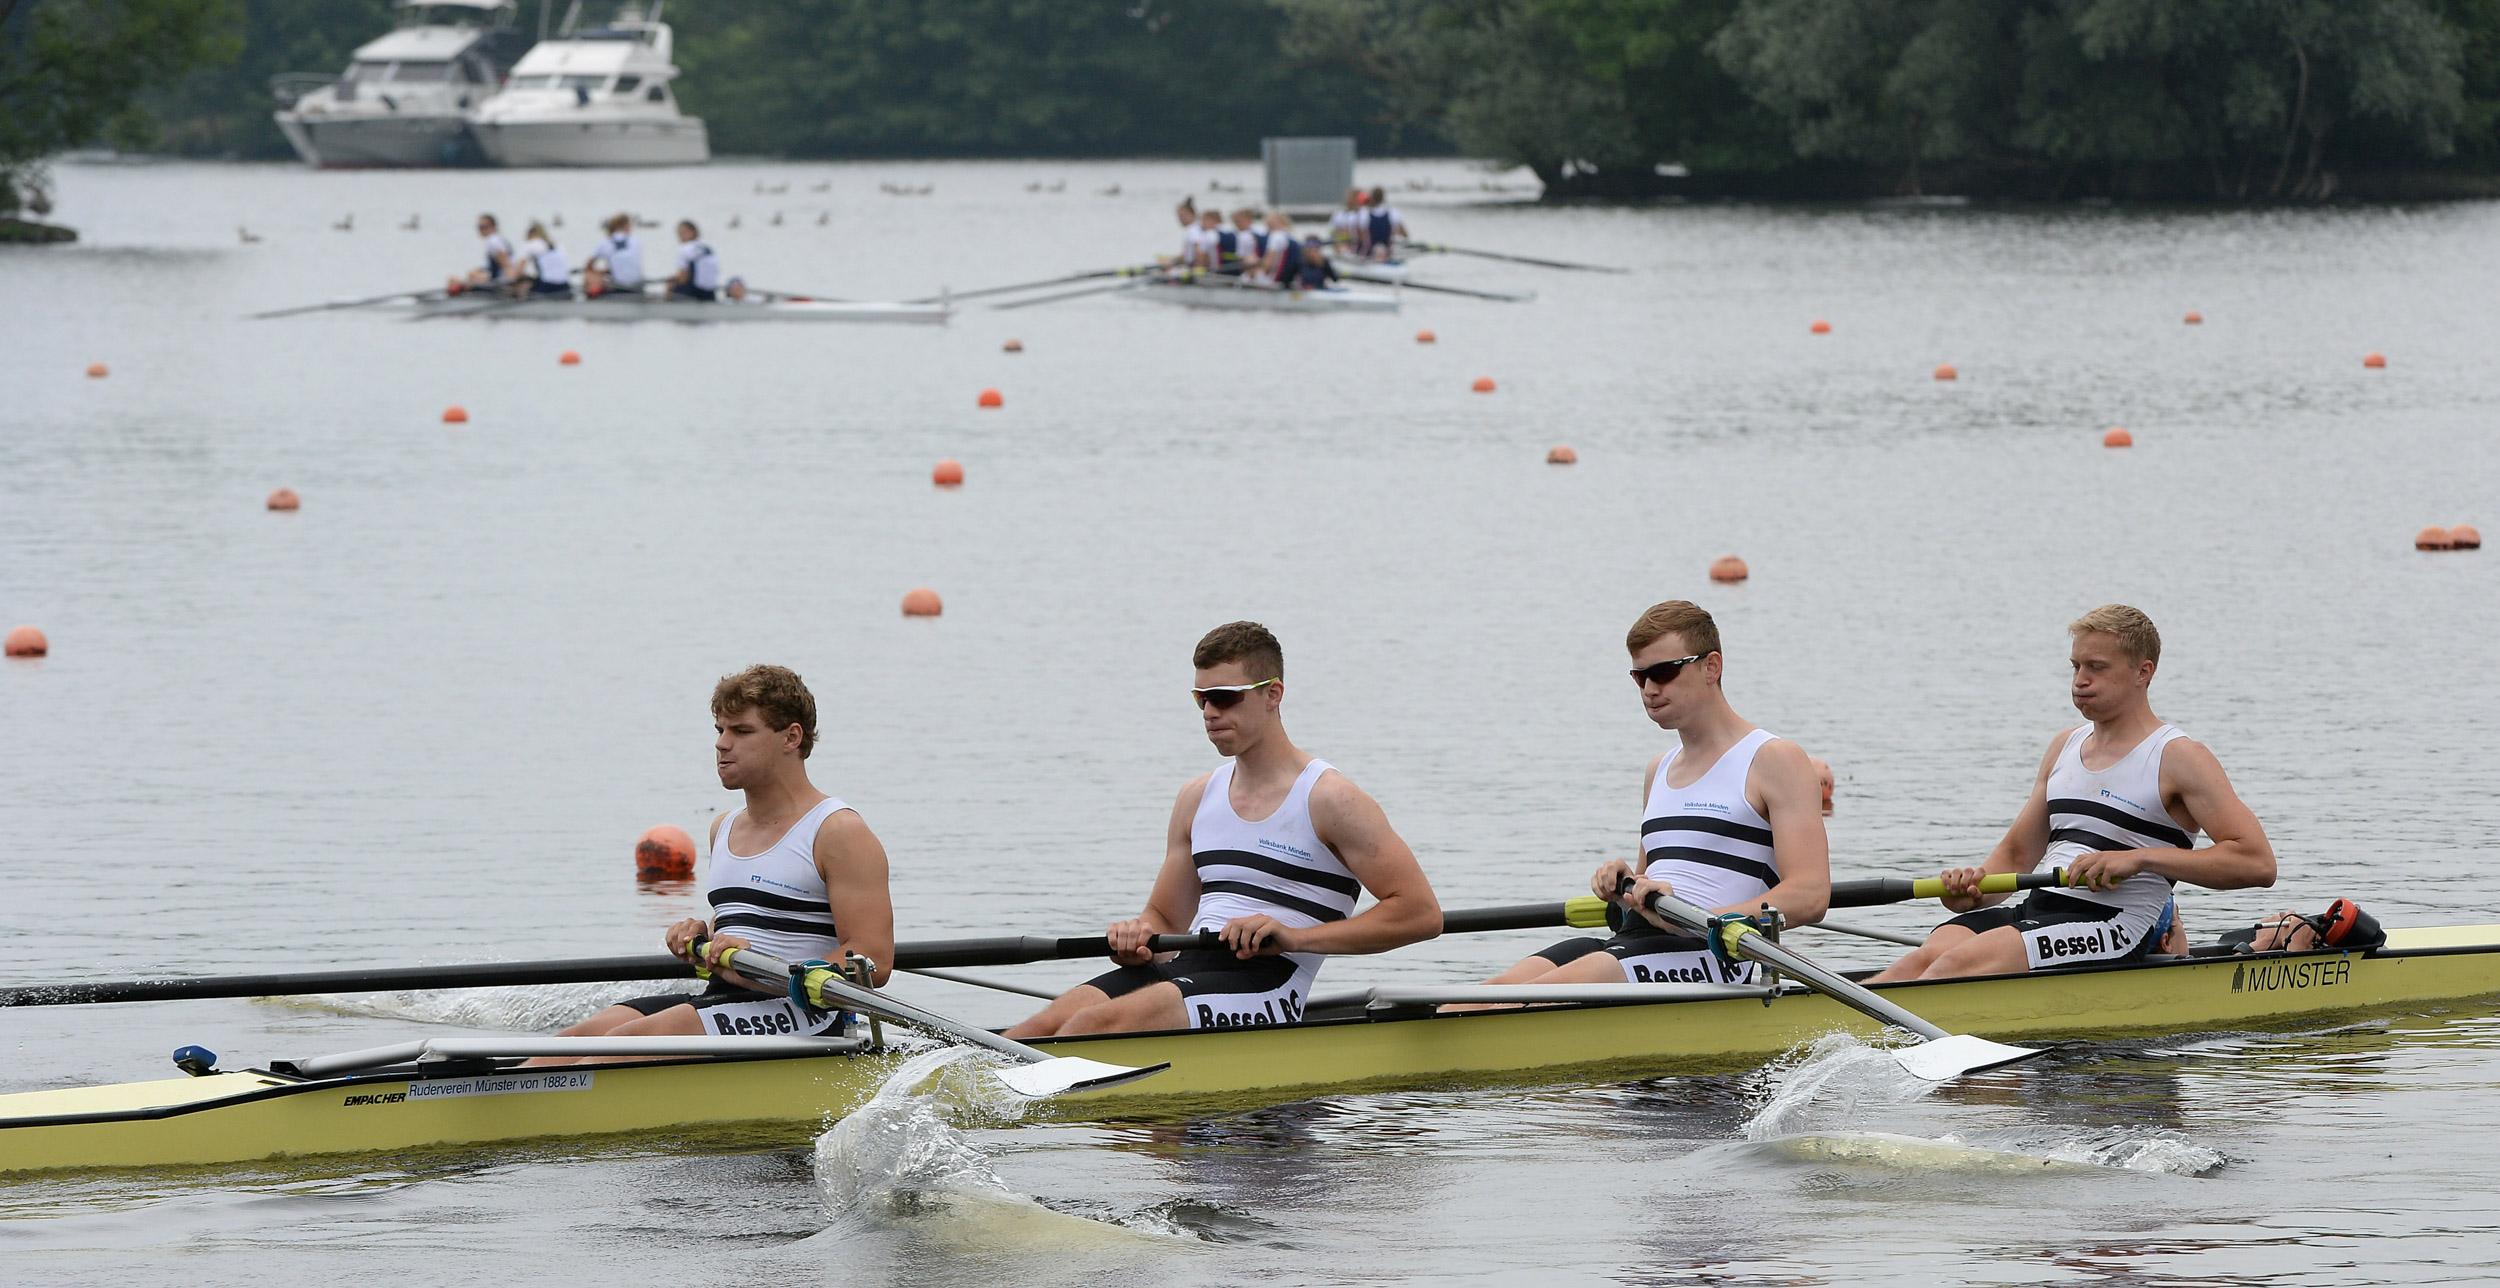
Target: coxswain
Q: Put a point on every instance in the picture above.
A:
(794, 873)
(1280, 890)
(1731, 821)
(1382, 227)
(543, 265)
(1316, 272)
(2117, 803)
(698, 269)
(1345, 227)
(617, 264)
(499, 268)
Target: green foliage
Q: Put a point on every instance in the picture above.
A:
(226, 110)
(71, 69)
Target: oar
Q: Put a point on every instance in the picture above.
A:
(1038, 1075)
(1035, 286)
(1062, 295)
(1940, 1056)
(1516, 259)
(437, 292)
(1507, 297)
(1866, 892)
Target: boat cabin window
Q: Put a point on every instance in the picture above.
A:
(532, 82)
(421, 71)
(364, 71)
(585, 82)
(627, 84)
(657, 93)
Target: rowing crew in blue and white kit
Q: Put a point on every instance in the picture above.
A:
(1368, 227)
(1257, 249)
(540, 267)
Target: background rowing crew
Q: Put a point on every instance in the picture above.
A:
(1271, 849)
(614, 267)
(1265, 248)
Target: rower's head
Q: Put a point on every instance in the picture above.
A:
(765, 722)
(1240, 686)
(1187, 211)
(538, 232)
(2115, 653)
(1676, 661)
(619, 223)
(1243, 216)
(686, 231)
(1211, 219)
(1354, 199)
(1380, 196)
(485, 225)
(1278, 220)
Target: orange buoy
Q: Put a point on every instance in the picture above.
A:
(26, 641)
(948, 474)
(2195, 318)
(570, 359)
(1820, 327)
(1729, 568)
(664, 851)
(1562, 455)
(993, 398)
(920, 601)
(1013, 346)
(1425, 336)
(96, 371)
(1484, 384)
(284, 499)
(2373, 360)
(1823, 774)
(2465, 536)
(2433, 537)
(2117, 436)
(455, 415)
(1946, 372)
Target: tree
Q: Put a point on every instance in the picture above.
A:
(70, 70)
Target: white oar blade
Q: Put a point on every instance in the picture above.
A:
(1060, 1075)
(1941, 1058)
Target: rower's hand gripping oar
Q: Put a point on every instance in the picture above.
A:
(1938, 1057)
(820, 985)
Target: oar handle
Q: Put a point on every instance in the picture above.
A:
(1867, 892)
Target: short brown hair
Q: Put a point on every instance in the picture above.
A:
(1248, 643)
(2134, 630)
(777, 692)
(1687, 620)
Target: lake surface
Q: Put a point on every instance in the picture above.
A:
(424, 718)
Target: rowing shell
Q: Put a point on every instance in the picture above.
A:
(649, 308)
(788, 1088)
(1229, 295)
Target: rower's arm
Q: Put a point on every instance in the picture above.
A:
(852, 862)
(1792, 799)
(1351, 823)
(2240, 857)
(1174, 901)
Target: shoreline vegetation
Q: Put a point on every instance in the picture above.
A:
(2167, 101)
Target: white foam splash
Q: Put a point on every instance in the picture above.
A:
(521, 1009)
(2160, 1151)
(1834, 1081)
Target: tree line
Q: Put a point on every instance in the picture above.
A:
(2232, 100)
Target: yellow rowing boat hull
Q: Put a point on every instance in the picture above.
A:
(250, 1116)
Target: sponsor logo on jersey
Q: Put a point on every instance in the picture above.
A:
(2100, 941)
(1274, 1010)
(766, 1024)
(1282, 848)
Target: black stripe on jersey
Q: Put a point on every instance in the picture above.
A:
(1761, 872)
(1276, 867)
(1277, 897)
(1705, 823)
(2107, 813)
(762, 899)
(788, 925)
(2091, 840)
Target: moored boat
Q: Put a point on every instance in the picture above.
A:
(457, 1091)
(595, 97)
(405, 99)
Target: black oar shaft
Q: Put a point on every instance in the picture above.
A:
(581, 970)
(1867, 892)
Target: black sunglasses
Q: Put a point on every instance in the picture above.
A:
(1664, 673)
(1224, 697)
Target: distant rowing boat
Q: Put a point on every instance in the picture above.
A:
(1230, 293)
(459, 1091)
(657, 308)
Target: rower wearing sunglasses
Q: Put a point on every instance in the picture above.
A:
(1732, 819)
(1270, 851)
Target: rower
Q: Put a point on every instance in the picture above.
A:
(1732, 820)
(1187, 214)
(544, 265)
(1284, 253)
(1280, 890)
(2117, 803)
(1234, 251)
(794, 872)
(1345, 227)
(498, 270)
(1205, 251)
(698, 269)
(1382, 227)
(617, 264)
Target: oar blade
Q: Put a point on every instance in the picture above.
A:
(1943, 1059)
(1064, 1074)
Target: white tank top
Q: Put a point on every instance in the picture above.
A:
(1705, 839)
(2118, 808)
(775, 900)
(1277, 867)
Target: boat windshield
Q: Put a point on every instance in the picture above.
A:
(533, 82)
(374, 73)
(585, 82)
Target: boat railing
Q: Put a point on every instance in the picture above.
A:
(432, 1050)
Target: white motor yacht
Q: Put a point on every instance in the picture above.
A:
(595, 97)
(406, 99)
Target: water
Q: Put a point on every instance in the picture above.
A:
(424, 718)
